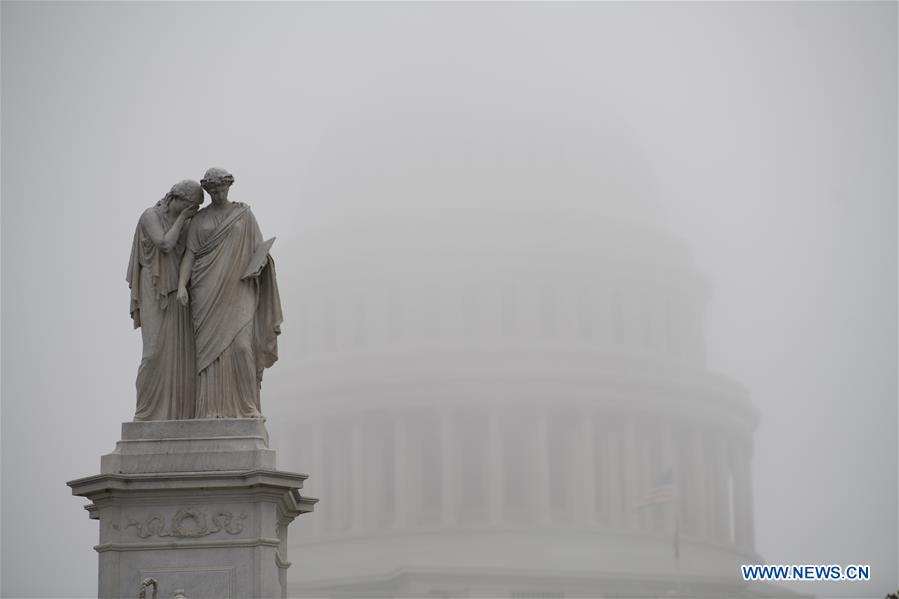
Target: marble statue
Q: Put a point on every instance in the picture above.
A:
(227, 277)
(193, 484)
(165, 378)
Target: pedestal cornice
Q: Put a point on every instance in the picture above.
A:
(196, 505)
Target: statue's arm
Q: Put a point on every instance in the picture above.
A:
(164, 240)
(187, 264)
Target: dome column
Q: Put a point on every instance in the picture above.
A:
(495, 475)
(744, 533)
(357, 473)
(587, 451)
(631, 474)
(449, 480)
(698, 494)
(541, 461)
(401, 471)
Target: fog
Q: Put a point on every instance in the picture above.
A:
(533, 258)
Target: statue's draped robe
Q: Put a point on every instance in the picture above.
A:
(236, 311)
(167, 373)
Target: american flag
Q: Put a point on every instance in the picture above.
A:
(662, 490)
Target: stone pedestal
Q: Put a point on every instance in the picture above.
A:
(196, 505)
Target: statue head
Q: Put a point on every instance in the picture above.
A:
(183, 194)
(216, 178)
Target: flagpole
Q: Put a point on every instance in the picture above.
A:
(676, 492)
(676, 543)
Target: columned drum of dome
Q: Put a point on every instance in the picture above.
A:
(520, 424)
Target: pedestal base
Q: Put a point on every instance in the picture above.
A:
(196, 505)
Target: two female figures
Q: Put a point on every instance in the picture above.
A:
(226, 288)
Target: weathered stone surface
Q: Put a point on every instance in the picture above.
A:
(185, 503)
(190, 446)
(166, 379)
(228, 278)
(205, 296)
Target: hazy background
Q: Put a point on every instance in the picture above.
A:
(763, 134)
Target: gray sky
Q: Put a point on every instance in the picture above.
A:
(764, 134)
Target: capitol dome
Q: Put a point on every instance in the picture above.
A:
(501, 386)
(525, 412)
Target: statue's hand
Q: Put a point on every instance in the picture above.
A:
(182, 296)
(190, 211)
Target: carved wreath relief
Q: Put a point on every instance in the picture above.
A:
(188, 523)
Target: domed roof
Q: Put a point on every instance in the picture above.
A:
(459, 144)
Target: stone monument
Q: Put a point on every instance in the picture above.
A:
(191, 503)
